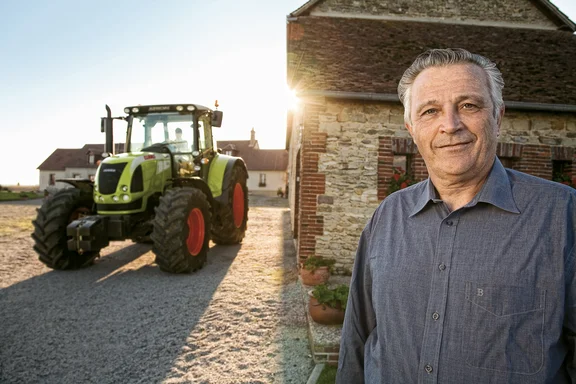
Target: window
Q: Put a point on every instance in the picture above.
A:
(404, 163)
(52, 179)
(75, 175)
(262, 182)
(229, 153)
(562, 171)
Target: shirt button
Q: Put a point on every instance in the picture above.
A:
(449, 223)
(435, 315)
(428, 368)
(442, 267)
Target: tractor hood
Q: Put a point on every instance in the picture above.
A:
(128, 177)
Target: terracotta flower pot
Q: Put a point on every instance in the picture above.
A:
(318, 276)
(323, 314)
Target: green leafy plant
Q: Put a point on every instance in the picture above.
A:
(313, 262)
(336, 297)
(400, 180)
(563, 178)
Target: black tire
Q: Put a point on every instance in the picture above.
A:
(181, 235)
(50, 225)
(232, 221)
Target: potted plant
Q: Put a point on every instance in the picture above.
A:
(327, 305)
(316, 270)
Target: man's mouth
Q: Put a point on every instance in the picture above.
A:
(454, 145)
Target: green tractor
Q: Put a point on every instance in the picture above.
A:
(170, 187)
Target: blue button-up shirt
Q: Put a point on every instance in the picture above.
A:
(483, 294)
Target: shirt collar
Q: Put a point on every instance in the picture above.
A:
(496, 191)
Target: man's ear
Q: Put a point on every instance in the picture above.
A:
(409, 129)
(499, 119)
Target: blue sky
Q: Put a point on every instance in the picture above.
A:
(63, 60)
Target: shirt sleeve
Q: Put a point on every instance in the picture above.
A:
(569, 326)
(359, 319)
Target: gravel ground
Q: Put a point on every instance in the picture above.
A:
(241, 319)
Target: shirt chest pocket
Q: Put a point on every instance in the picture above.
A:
(504, 327)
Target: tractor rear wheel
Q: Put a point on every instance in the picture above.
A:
(230, 226)
(50, 225)
(180, 233)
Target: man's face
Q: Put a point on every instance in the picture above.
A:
(453, 123)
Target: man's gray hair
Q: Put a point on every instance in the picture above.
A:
(449, 56)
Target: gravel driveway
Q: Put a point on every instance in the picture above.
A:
(240, 319)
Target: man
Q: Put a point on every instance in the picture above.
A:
(179, 142)
(467, 277)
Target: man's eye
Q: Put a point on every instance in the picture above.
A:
(429, 111)
(468, 106)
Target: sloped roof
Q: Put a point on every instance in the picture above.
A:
(63, 158)
(551, 11)
(370, 56)
(257, 159)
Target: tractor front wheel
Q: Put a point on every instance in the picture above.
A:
(230, 225)
(50, 239)
(181, 230)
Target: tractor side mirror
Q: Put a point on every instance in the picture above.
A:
(217, 118)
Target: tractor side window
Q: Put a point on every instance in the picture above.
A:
(205, 133)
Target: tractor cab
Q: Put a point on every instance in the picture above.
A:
(184, 131)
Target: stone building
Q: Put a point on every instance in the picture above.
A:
(345, 59)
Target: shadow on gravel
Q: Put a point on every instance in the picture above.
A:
(104, 324)
(295, 349)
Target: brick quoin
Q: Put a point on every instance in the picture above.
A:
(312, 183)
(385, 160)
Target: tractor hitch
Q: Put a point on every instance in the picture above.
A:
(89, 233)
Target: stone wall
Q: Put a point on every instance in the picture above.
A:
(500, 11)
(346, 165)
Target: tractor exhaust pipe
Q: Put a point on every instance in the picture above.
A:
(107, 128)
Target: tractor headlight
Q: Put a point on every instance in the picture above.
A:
(190, 108)
(126, 110)
(101, 198)
(124, 188)
(195, 153)
(135, 110)
(115, 198)
(205, 160)
(179, 108)
(197, 167)
(125, 197)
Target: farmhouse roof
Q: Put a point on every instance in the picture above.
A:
(63, 158)
(257, 159)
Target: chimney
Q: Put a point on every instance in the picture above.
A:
(252, 137)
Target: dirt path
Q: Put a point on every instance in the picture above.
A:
(239, 320)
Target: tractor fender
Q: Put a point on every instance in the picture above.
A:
(85, 185)
(198, 183)
(195, 182)
(219, 178)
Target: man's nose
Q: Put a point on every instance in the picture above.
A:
(451, 121)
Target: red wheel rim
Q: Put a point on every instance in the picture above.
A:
(196, 229)
(238, 205)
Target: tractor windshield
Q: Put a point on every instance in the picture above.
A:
(175, 129)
